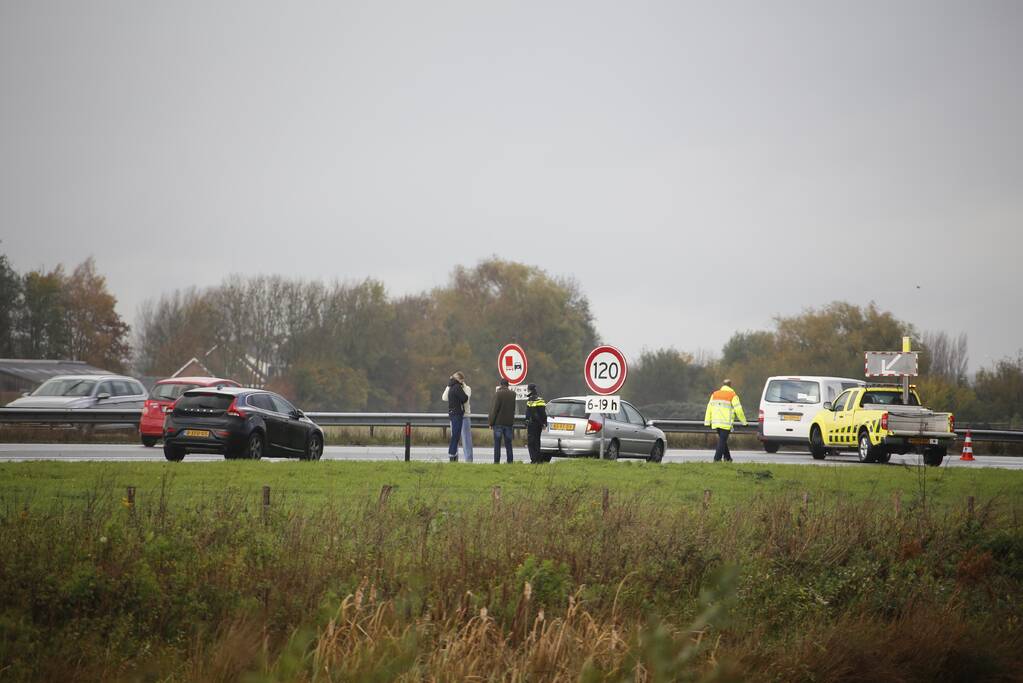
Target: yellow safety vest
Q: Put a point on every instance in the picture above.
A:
(723, 408)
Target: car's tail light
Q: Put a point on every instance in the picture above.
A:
(760, 418)
(233, 409)
(222, 433)
(169, 408)
(592, 426)
(884, 420)
(951, 422)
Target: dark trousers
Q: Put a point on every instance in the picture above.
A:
(533, 441)
(456, 432)
(505, 433)
(722, 450)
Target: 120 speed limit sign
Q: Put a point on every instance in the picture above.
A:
(605, 370)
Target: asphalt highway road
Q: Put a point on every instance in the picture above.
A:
(139, 453)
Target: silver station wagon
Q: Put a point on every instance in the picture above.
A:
(572, 432)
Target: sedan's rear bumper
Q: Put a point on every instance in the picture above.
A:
(214, 443)
(572, 445)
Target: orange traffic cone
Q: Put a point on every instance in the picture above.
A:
(967, 447)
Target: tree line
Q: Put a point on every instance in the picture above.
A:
(350, 346)
(59, 315)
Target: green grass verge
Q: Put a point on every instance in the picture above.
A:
(441, 582)
(48, 483)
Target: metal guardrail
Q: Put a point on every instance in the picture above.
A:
(43, 416)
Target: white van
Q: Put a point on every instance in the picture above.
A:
(789, 404)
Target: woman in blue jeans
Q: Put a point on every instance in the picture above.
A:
(456, 398)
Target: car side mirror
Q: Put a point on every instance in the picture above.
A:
(102, 397)
(297, 414)
(827, 405)
(25, 394)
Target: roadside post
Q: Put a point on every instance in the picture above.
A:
(408, 441)
(605, 372)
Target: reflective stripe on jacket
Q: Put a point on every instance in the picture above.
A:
(723, 408)
(536, 412)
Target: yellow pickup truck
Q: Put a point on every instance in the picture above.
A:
(874, 422)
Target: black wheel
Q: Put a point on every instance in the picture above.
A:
(149, 441)
(884, 456)
(771, 446)
(934, 455)
(173, 453)
(817, 448)
(611, 450)
(657, 453)
(313, 447)
(254, 446)
(866, 451)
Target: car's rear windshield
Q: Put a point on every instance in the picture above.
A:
(204, 402)
(887, 398)
(793, 391)
(566, 409)
(169, 392)
(65, 387)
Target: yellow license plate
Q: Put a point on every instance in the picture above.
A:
(792, 418)
(200, 433)
(923, 442)
(562, 427)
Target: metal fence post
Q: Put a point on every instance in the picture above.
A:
(266, 503)
(408, 441)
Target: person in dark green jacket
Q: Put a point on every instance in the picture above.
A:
(502, 420)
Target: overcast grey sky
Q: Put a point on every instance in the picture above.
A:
(698, 167)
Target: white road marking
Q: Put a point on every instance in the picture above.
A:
(482, 456)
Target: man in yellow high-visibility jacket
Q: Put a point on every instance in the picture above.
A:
(722, 409)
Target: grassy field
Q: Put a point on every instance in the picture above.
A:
(785, 573)
(42, 484)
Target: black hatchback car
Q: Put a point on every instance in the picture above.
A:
(240, 423)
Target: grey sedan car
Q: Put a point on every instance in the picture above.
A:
(571, 431)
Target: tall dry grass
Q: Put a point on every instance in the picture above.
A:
(546, 586)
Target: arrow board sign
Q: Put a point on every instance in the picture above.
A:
(890, 364)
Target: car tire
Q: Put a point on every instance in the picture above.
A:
(934, 456)
(313, 447)
(149, 441)
(173, 453)
(657, 453)
(817, 448)
(254, 446)
(883, 457)
(865, 450)
(771, 446)
(612, 449)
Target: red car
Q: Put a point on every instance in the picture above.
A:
(162, 398)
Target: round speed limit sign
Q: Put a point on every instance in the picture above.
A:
(605, 370)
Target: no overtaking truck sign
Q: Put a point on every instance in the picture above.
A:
(511, 364)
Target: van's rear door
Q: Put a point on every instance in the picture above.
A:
(789, 405)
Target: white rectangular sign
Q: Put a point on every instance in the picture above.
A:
(890, 363)
(521, 392)
(603, 404)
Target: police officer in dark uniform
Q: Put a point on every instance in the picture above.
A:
(536, 422)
